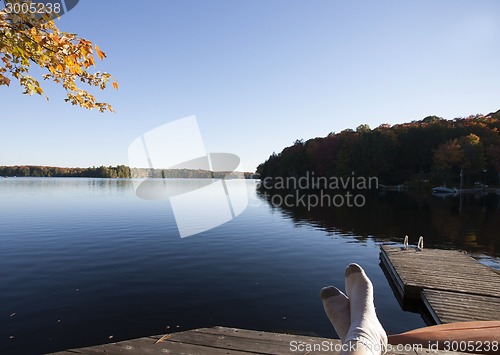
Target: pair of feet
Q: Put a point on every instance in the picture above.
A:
(353, 315)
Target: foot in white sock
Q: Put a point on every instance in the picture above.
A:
(365, 327)
(337, 309)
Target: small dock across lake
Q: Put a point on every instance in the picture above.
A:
(452, 285)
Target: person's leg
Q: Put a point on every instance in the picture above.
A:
(365, 327)
(336, 305)
(481, 333)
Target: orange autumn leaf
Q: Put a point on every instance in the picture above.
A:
(100, 53)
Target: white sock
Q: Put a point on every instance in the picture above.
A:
(337, 309)
(365, 326)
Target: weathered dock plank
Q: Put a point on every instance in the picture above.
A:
(135, 346)
(207, 341)
(242, 340)
(453, 286)
(450, 307)
(228, 341)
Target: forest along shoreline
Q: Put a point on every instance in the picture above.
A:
(429, 152)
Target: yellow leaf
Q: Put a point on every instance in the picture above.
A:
(100, 53)
(115, 85)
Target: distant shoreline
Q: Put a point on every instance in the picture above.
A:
(119, 171)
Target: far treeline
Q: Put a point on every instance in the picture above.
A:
(431, 150)
(120, 171)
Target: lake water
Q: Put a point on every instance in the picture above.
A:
(84, 261)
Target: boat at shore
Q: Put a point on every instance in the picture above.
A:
(444, 190)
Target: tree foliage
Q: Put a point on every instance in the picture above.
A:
(433, 148)
(448, 158)
(27, 39)
(120, 171)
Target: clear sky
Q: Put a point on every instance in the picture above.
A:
(259, 74)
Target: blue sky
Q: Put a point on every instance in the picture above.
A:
(260, 74)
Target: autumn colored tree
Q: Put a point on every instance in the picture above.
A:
(474, 158)
(493, 152)
(29, 39)
(348, 140)
(448, 158)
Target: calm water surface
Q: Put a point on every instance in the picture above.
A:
(84, 260)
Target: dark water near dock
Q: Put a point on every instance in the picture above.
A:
(470, 222)
(84, 261)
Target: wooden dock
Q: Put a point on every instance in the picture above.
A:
(228, 341)
(452, 285)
